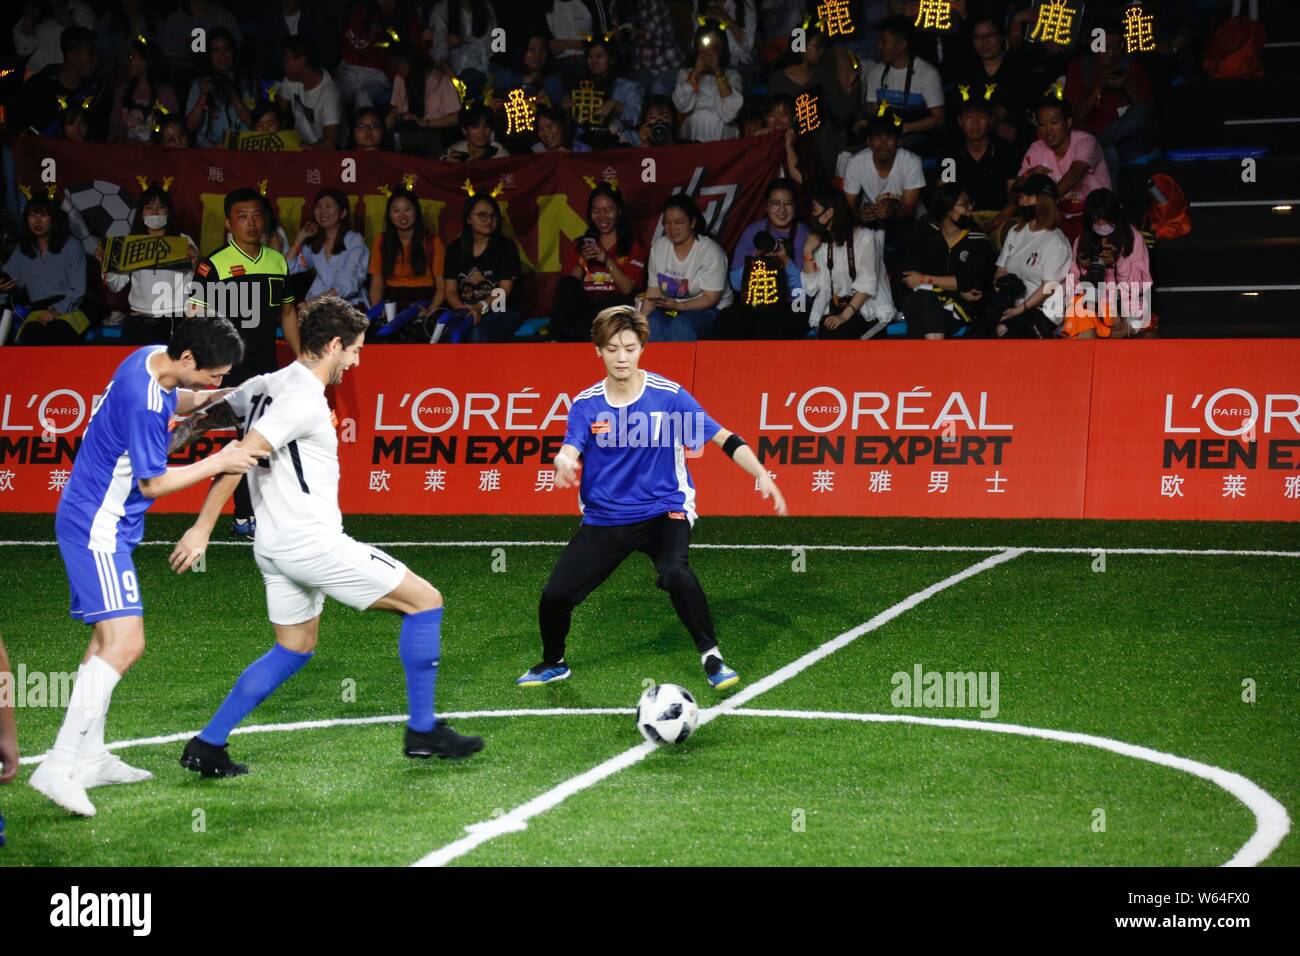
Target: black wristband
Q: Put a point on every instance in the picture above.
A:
(733, 442)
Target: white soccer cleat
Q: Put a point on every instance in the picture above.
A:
(59, 783)
(108, 770)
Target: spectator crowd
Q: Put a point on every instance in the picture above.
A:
(971, 182)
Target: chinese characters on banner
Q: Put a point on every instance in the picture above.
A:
(1175, 429)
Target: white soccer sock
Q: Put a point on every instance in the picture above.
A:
(87, 710)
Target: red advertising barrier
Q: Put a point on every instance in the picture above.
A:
(896, 428)
(466, 429)
(1160, 429)
(543, 197)
(1185, 429)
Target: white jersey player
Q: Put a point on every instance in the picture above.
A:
(301, 548)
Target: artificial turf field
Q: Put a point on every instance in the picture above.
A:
(1152, 652)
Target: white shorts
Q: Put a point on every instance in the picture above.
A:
(351, 573)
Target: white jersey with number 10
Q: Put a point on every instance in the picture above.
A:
(296, 491)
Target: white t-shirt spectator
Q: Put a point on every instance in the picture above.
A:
(313, 109)
(740, 40)
(474, 51)
(881, 82)
(703, 270)
(707, 115)
(861, 176)
(1036, 258)
(868, 275)
(569, 20)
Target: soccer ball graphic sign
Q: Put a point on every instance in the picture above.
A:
(97, 210)
(666, 714)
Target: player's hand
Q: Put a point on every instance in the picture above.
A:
(189, 549)
(566, 472)
(768, 489)
(235, 459)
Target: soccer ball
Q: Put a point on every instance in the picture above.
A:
(666, 714)
(97, 210)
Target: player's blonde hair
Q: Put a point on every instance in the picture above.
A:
(610, 322)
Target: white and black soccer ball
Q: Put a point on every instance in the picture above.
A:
(666, 714)
(97, 210)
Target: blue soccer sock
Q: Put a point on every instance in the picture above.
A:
(258, 682)
(419, 648)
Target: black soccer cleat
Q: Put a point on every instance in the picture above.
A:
(442, 741)
(210, 760)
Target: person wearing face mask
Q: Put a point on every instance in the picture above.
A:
(1111, 258)
(951, 268)
(157, 296)
(842, 272)
(778, 240)
(1028, 285)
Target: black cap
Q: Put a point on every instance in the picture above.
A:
(1039, 184)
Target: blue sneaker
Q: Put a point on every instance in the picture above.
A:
(244, 528)
(719, 674)
(543, 673)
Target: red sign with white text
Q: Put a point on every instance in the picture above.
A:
(897, 428)
(1187, 429)
(1160, 429)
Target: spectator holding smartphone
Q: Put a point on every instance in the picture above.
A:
(605, 267)
(709, 94)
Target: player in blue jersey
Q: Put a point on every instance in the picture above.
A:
(632, 430)
(121, 467)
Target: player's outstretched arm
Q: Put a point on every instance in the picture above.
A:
(213, 414)
(189, 401)
(194, 542)
(567, 467)
(743, 456)
(8, 726)
(234, 458)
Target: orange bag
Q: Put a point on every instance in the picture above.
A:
(1235, 51)
(1174, 218)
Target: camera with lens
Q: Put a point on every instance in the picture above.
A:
(661, 134)
(1096, 272)
(766, 244)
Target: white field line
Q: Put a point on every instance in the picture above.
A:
(357, 722)
(1271, 820)
(517, 819)
(958, 548)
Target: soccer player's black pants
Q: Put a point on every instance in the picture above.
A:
(597, 550)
